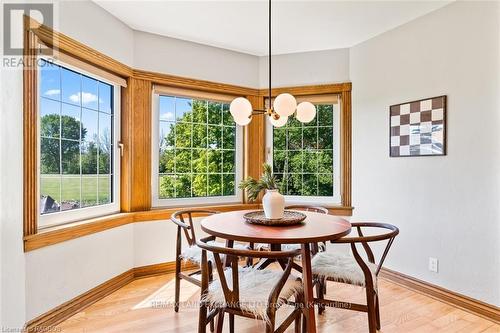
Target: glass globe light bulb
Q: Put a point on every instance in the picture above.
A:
(285, 104)
(306, 111)
(281, 121)
(242, 120)
(241, 110)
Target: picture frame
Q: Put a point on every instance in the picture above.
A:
(418, 128)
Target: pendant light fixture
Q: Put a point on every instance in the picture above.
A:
(284, 105)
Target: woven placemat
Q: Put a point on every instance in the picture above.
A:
(290, 217)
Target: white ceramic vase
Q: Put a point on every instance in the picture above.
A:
(274, 204)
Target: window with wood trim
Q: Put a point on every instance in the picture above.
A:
(78, 120)
(306, 156)
(197, 149)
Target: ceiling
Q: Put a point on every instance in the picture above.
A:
(298, 26)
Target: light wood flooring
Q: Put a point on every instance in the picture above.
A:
(145, 306)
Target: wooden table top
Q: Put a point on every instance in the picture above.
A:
(315, 228)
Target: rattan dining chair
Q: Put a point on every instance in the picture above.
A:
(353, 269)
(248, 292)
(316, 209)
(277, 247)
(185, 225)
(192, 253)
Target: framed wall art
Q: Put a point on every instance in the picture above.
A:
(418, 128)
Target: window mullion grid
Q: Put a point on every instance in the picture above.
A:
(222, 149)
(98, 144)
(191, 178)
(60, 146)
(287, 165)
(206, 128)
(175, 147)
(80, 147)
(317, 153)
(302, 158)
(333, 152)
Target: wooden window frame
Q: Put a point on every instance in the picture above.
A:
(318, 92)
(136, 108)
(157, 202)
(326, 201)
(60, 47)
(68, 216)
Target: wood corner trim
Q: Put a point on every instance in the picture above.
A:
(162, 268)
(340, 210)
(65, 44)
(30, 132)
(193, 84)
(463, 302)
(317, 89)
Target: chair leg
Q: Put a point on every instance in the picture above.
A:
(220, 321)
(210, 272)
(202, 318)
(249, 262)
(272, 322)
(177, 283)
(212, 325)
(377, 311)
(372, 316)
(320, 295)
(231, 323)
(299, 300)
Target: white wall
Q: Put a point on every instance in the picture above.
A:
(12, 292)
(11, 215)
(57, 273)
(154, 242)
(446, 207)
(305, 68)
(93, 26)
(177, 57)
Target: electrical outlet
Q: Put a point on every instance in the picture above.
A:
(433, 264)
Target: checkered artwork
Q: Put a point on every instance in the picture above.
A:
(418, 128)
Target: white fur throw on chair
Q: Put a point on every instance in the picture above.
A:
(193, 253)
(341, 268)
(255, 286)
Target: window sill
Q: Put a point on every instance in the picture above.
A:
(62, 233)
(57, 234)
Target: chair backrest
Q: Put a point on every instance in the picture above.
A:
(231, 255)
(315, 247)
(308, 208)
(184, 221)
(365, 240)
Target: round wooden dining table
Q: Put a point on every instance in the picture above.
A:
(317, 227)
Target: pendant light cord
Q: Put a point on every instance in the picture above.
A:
(270, 55)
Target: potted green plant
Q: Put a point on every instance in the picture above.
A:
(273, 202)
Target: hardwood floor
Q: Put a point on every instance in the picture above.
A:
(145, 306)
